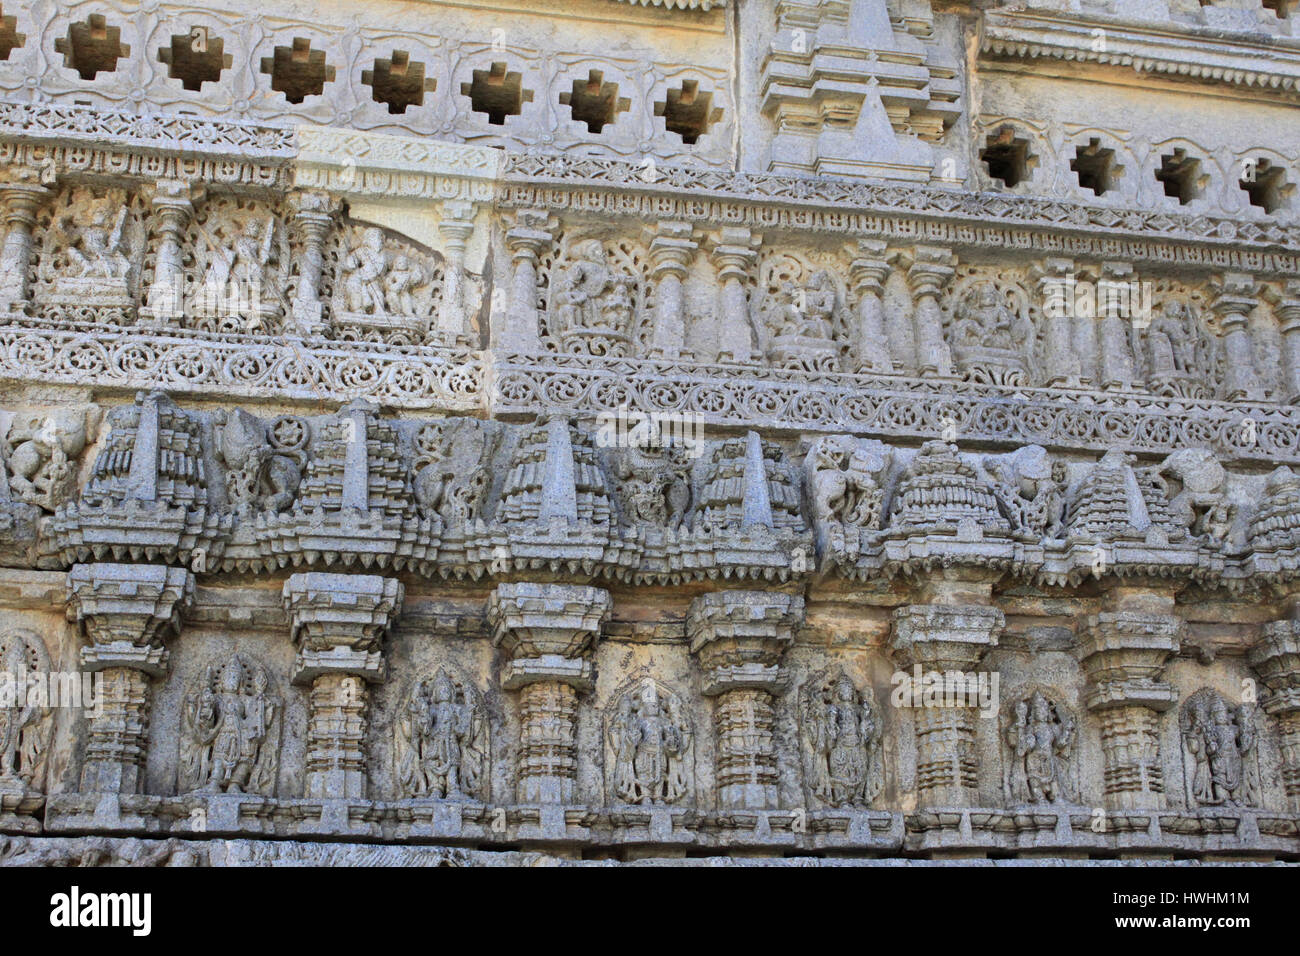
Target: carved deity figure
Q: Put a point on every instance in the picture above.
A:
(983, 319)
(808, 311)
(452, 470)
(592, 304)
(655, 487)
(1171, 340)
(25, 721)
(237, 278)
(650, 738)
(1031, 489)
(1220, 740)
(442, 748)
(230, 730)
(842, 732)
(378, 281)
(98, 248)
(256, 478)
(43, 454)
(1040, 737)
(845, 481)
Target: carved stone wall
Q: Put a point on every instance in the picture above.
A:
(786, 427)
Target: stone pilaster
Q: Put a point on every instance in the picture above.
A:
(1057, 292)
(526, 241)
(739, 639)
(1276, 659)
(313, 215)
(456, 227)
(21, 196)
(931, 270)
(1123, 654)
(671, 252)
(1287, 305)
(127, 611)
(339, 622)
(734, 255)
(1113, 295)
(548, 632)
(945, 643)
(867, 275)
(1237, 298)
(173, 206)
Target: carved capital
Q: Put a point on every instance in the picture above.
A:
(548, 630)
(932, 268)
(672, 249)
(1238, 296)
(868, 272)
(739, 638)
(1124, 654)
(339, 621)
(531, 235)
(735, 252)
(1276, 659)
(945, 637)
(128, 610)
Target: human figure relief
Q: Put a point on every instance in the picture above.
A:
(25, 724)
(842, 731)
(992, 342)
(1040, 737)
(98, 248)
(257, 478)
(1220, 742)
(1031, 488)
(592, 305)
(654, 485)
(238, 279)
(442, 741)
(230, 731)
(651, 739)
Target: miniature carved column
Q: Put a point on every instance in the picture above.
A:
(20, 197)
(867, 274)
(173, 205)
(1235, 302)
(314, 217)
(936, 641)
(739, 638)
(548, 632)
(931, 271)
(1288, 312)
(339, 622)
(456, 227)
(1123, 654)
(1276, 658)
(1056, 290)
(127, 610)
(733, 256)
(671, 252)
(527, 241)
(1114, 299)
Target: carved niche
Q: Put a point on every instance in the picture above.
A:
(991, 329)
(842, 729)
(805, 319)
(1176, 351)
(649, 746)
(441, 747)
(230, 731)
(1039, 740)
(25, 718)
(238, 269)
(90, 257)
(1220, 761)
(386, 288)
(594, 298)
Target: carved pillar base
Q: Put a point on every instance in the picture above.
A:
(338, 622)
(1123, 654)
(549, 632)
(739, 638)
(945, 643)
(126, 610)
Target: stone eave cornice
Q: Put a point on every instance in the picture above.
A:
(1211, 56)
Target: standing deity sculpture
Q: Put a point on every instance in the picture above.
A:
(650, 743)
(842, 731)
(1040, 737)
(25, 718)
(230, 731)
(442, 741)
(1219, 739)
(591, 304)
(1173, 353)
(386, 291)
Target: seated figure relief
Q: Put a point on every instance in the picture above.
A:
(1175, 355)
(801, 326)
(592, 304)
(992, 341)
(88, 266)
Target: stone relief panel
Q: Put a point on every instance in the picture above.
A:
(42, 451)
(1220, 759)
(26, 723)
(805, 319)
(1040, 744)
(385, 288)
(230, 730)
(991, 326)
(441, 748)
(841, 732)
(649, 746)
(237, 274)
(595, 297)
